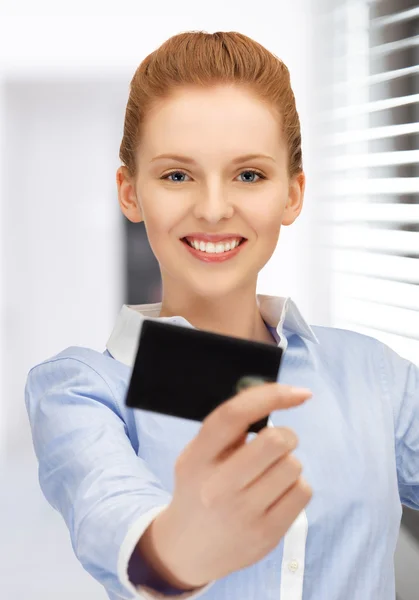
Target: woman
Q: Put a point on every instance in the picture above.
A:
(160, 507)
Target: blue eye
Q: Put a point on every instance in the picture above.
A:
(252, 173)
(181, 173)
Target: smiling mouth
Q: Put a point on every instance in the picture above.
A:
(215, 253)
(214, 248)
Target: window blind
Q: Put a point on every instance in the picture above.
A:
(368, 175)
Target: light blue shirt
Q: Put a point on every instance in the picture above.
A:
(109, 469)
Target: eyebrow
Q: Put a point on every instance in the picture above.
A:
(187, 159)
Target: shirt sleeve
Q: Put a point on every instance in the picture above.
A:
(401, 378)
(90, 473)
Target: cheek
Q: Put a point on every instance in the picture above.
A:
(159, 216)
(159, 221)
(266, 216)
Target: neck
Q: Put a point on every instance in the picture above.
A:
(236, 315)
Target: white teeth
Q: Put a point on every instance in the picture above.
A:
(212, 248)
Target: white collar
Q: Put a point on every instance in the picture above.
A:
(277, 311)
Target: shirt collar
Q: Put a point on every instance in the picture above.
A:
(279, 313)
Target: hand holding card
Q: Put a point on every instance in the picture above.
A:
(233, 500)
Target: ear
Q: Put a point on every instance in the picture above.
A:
(127, 196)
(295, 199)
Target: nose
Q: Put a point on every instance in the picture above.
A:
(212, 204)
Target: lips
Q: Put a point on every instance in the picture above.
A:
(212, 257)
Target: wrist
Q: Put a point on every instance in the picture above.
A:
(157, 556)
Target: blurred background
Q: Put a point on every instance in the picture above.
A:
(69, 259)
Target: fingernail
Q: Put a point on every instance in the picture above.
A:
(300, 391)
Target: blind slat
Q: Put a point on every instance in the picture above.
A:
(365, 186)
(374, 133)
(403, 242)
(400, 321)
(379, 159)
(398, 268)
(384, 213)
(380, 291)
(367, 81)
(369, 107)
(396, 46)
(392, 19)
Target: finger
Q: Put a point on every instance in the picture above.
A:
(251, 460)
(272, 484)
(289, 506)
(229, 421)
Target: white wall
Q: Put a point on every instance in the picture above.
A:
(61, 227)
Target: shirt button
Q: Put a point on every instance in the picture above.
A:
(293, 565)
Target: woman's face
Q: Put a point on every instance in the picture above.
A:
(211, 161)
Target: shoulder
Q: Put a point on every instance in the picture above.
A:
(344, 344)
(85, 368)
(339, 344)
(84, 356)
(347, 342)
(364, 356)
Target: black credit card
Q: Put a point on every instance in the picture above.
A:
(186, 372)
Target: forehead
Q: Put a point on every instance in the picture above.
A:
(231, 115)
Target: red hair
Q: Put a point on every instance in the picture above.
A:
(204, 59)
